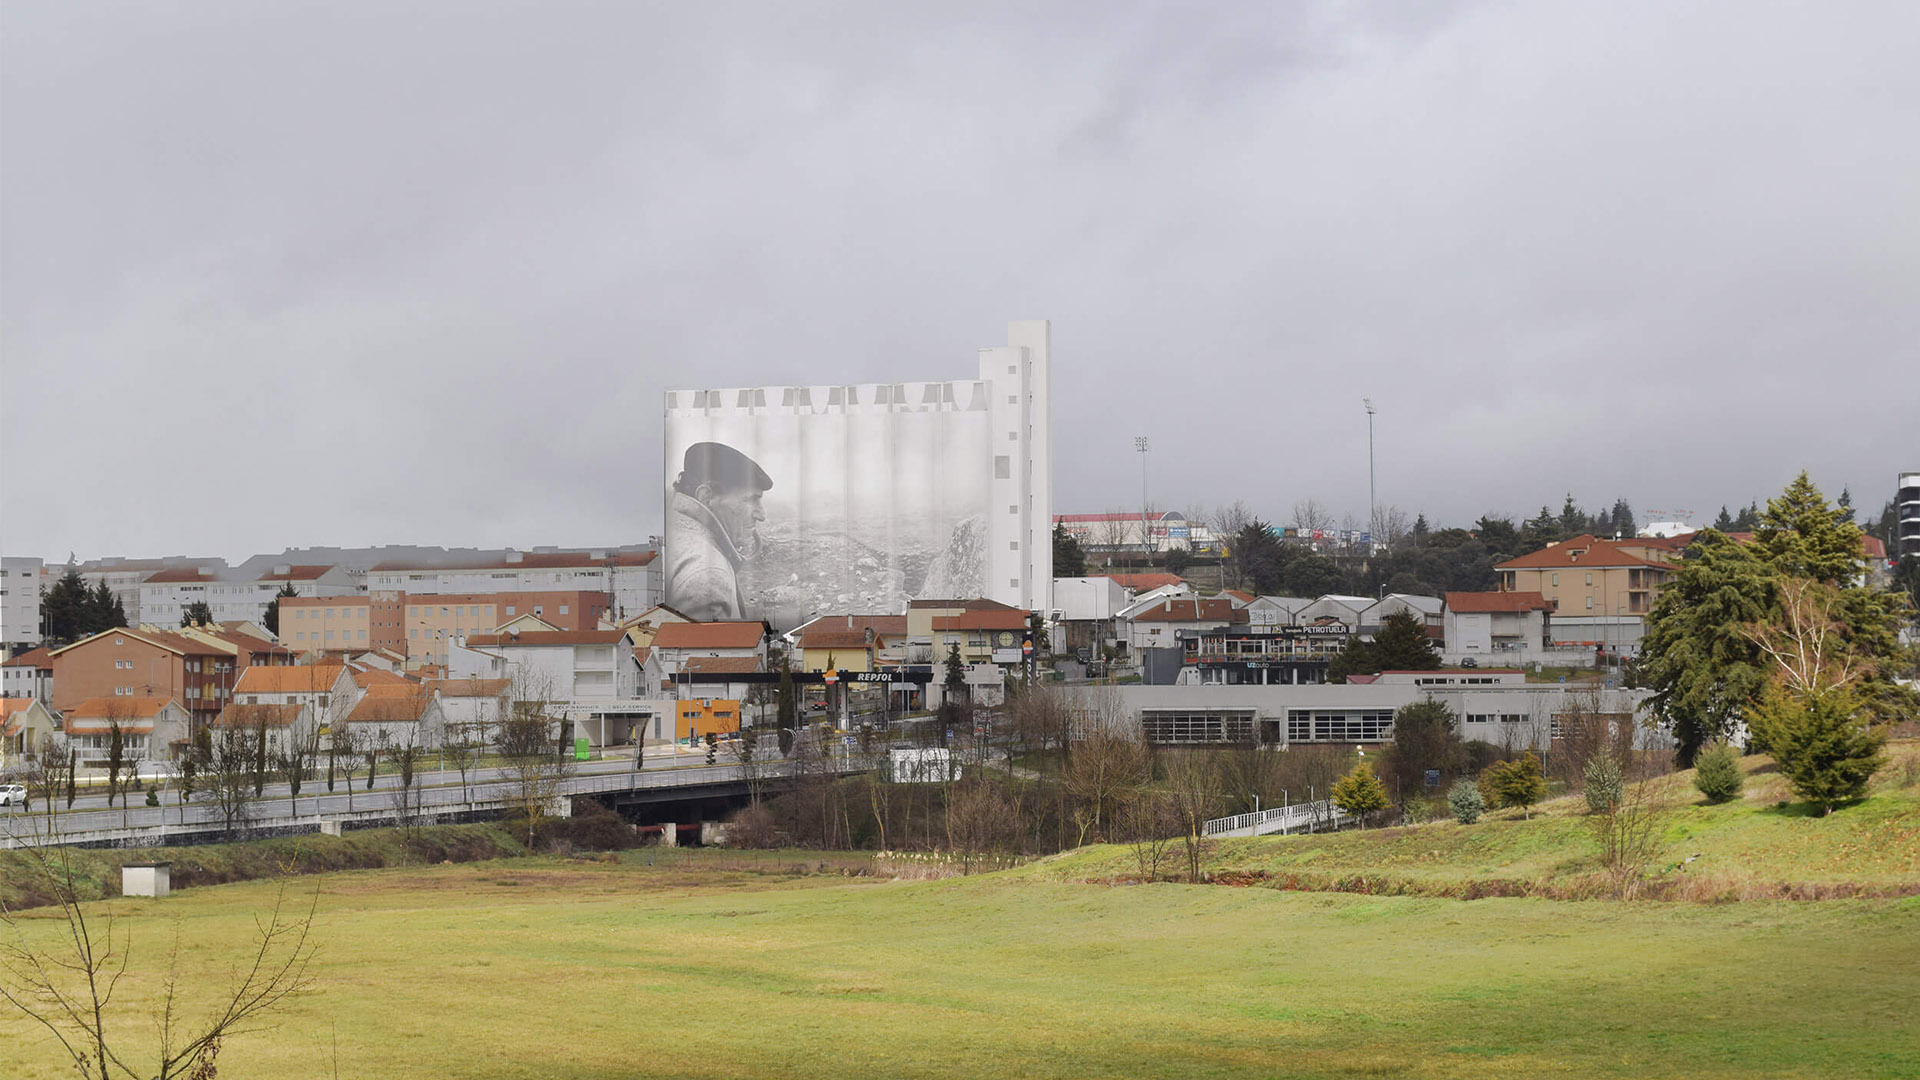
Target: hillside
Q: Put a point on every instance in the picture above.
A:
(1761, 845)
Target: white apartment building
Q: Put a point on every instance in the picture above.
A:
(19, 601)
(167, 594)
(631, 576)
(590, 679)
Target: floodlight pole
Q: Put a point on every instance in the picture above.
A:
(1146, 548)
(1373, 513)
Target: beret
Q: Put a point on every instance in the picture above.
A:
(723, 467)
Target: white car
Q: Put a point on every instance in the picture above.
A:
(13, 794)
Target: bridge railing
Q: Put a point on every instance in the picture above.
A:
(1274, 819)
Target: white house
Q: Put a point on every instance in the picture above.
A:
(150, 728)
(674, 644)
(24, 724)
(285, 726)
(473, 707)
(398, 714)
(590, 677)
(1153, 625)
(328, 689)
(1341, 609)
(29, 675)
(1512, 625)
(1428, 611)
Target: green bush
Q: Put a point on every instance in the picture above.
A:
(1606, 785)
(1465, 801)
(1516, 784)
(1716, 772)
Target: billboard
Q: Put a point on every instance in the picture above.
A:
(787, 502)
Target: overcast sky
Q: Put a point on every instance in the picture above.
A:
(281, 274)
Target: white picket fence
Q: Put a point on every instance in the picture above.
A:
(1311, 816)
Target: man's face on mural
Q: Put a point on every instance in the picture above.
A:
(738, 511)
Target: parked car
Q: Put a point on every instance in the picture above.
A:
(13, 794)
(1469, 662)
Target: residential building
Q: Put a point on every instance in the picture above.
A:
(590, 677)
(151, 728)
(1155, 624)
(125, 576)
(397, 715)
(1428, 611)
(19, 602)
(328, 690)
(677, 644)
(473, 707)
(1906, 505)
(1601, 590)
(29, 675)
(850, 642)
(1515, 625)
(25, 723)
(1087, 610)
(166, 595)
(145, 663)
(249, 645)
(985, 631)
(421, 625)
(629, 577)
(285, 726)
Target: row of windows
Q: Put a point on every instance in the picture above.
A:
(1496, 718)
(1454, 680)
(346, 635)
(1197, 727)
(1339, 725)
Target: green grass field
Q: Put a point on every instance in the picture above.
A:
(725, 964)
(1762, 844)
(557, 968)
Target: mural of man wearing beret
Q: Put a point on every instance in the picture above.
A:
(712, 517)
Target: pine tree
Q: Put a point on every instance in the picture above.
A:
(197, 614)
(271, 620)
(1360, 793)
(1703, 670)
(1069, 558)
(104, 610)
(63, 608)
(1724, 522)
(1465, 801)
(1716, 774)
(1824, 744)
(1517, 783)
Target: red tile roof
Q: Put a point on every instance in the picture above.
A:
(1579, 552)
(35, 657)
(1486, 602)
(180, 573)
(835, 638)
(297, 573)
(1010, 619)
(253, 716)
(390, 703)
(92, 716)
(299, 679)
(1240, 595)
(171, 642)
(709, 635)
(373, 676)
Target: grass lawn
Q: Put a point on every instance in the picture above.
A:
(1755, 845)
(553, 968)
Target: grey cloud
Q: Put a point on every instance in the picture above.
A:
(420, 272)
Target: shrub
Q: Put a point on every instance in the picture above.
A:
(1716, 772)
(1605, 783)
(1517, 784)
(1465, 801)
(1825, 743)
(1360, 793)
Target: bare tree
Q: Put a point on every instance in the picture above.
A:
(229, 774)
(462, 748)
(529, 751)
(1193, 787)
(1389, 527)
(1311, 516)
(1587, 731)
(978, 820)
(744, 749)
(1150, 824)
(1629, 828)
(1099, 770)
(1227, 521)
(295, 761)
(343, 754)
(67, 983)
(405, 754)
